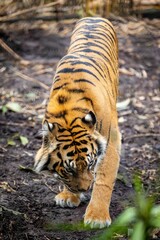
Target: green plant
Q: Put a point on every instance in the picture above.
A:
(137, 222)
(11, 141)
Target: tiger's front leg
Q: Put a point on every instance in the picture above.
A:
(97, 213)
(67, 199)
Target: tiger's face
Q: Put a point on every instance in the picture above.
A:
(71, 154)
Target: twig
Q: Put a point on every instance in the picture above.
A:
(3, 149)
(16, 124)
(29, 10)
(43, 71)
(46, 184)
(13, 211)
(26, 169)
(142, 135)
(6, 186)
(23, 61)
(125, 113)
(11, 52)
(30, 79)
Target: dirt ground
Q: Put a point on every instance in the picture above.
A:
(27, 208)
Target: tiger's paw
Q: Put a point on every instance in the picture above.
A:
(96, 218)
(67, 199)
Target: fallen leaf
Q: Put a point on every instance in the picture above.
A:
(122, 120)
(6, 186)
(31, 96)
(11, 142)
(4, 109)
(13, 106)
(26, 169)
(24, 140)
(123, 105)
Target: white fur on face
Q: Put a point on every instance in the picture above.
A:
(40, 160)
(46, 127)
(103, 146)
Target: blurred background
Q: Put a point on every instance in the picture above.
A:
(47, 9)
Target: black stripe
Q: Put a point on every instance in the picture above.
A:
(74, 120)
(75, 90)
(66, 146)
(92, 146)
(95, 20)
(84, 150)
(61, 130)
(76, 126)
(67, 57)
(63, 140)
(62, 99)
(100, 127)
(78, 132)
(83, 49)
(61, 86)
(95, 35)
(79, 61)
(79, 109)
(61, 114)
(84, 80)
(99, 54)
(55, 165)
(95, 29)
(85, 134)
(76, 40)
(71, 153)
(64, 135)
(59, 155)
(105, 43)
(73, 70)
(83, 141)
(87, 64)
(89, 44)
(108, 46)
(86, 99)
(56, 80)
(94, 61)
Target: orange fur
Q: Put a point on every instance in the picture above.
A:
(81, 133)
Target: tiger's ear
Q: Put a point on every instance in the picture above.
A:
(47, 127)
(89, 119)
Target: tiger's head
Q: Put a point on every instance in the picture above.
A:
(71, 153)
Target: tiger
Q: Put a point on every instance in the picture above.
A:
(81, 140)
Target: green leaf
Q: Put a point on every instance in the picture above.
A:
(155, 216)
(11, 142)
(128, 216)
(139, 231)
(120, 225)
(13, 106)
(155, 211)
(155, 222)
(130, 231)
(4, 109)
(24, 140)
(31, 95)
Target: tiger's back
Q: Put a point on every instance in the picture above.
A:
(88, 75)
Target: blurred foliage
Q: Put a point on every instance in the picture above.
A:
(59, 9)
(138, 222)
